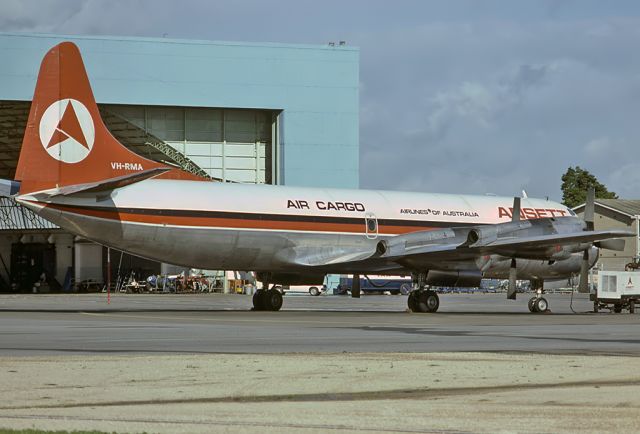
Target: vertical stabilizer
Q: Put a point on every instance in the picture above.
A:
(65, 141)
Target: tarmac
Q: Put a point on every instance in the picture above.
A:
(203, 363)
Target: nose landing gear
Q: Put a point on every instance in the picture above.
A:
(538, 304)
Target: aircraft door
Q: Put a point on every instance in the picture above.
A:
(371, 225)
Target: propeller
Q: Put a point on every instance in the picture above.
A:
(355, 286)
(513, 271)
(583, 286)
(589, 215)
(515, 216)
(590, 208)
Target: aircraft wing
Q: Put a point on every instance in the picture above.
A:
(509, 246)
(559, 239)
(514, 239)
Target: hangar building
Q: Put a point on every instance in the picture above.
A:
(235, 112)
(616, 214)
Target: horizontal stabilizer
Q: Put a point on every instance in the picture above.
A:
(108, 184)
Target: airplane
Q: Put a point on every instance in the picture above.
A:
(73, 172)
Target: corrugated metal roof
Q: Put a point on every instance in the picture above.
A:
(16, 217)
(628, 207)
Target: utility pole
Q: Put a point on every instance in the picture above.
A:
(108, 275)
(637, 258)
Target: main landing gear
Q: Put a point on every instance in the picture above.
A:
(422, 300)
(538, 304)
(267, 299)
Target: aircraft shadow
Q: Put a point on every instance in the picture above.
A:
(291, 311)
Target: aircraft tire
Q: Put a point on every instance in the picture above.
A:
(412, 301)
(541, 305)
(617, 308)
(314, 291)
(428, 302)
(531, 303)
(433, 301)
(258, 300)
(632, 306)
(272, 300)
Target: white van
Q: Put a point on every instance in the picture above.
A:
(314, 290)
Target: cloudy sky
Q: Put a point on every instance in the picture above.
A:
(456, 96)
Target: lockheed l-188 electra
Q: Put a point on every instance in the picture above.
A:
(73, 172)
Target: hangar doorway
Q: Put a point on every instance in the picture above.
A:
(233, 145)
(125, 266)
(33, 263)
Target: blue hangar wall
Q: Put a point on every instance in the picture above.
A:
(315, 87)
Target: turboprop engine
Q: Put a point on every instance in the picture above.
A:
(496, 266)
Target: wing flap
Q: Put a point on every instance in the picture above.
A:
(321, 256)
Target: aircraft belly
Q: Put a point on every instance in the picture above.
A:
(198, 247)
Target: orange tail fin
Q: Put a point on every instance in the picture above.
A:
(66, 142)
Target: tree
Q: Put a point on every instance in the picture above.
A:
(576, 182)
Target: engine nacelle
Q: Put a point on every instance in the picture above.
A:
(496, 266)
(405, 243)
(485, 235)
(454, 278)
(481, 236)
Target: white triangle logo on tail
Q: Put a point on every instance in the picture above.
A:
(67, 132)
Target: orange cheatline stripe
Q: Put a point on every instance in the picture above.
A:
(356, 228)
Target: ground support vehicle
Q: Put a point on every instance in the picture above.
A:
(616, 290)
(377, 284)
(314, 290)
